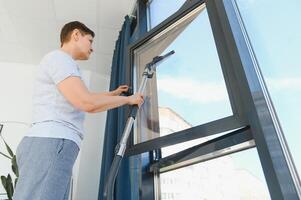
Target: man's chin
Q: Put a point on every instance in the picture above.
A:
(85, 58)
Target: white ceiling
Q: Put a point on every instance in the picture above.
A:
(30, 28)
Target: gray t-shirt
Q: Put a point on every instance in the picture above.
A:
(53, 115)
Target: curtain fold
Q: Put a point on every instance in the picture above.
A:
(116, 120)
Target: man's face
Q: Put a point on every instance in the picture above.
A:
(84, 46)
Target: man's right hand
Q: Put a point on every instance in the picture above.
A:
(136, 99)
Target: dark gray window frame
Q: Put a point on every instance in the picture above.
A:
(253, 111)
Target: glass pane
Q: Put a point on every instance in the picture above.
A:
(189, 87)
(237, 177)
(276, 39)
(159, 10)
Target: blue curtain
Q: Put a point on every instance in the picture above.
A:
(116, 120)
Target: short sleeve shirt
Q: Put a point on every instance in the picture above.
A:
(53, 115)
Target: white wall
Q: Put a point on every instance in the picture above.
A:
(15, 105)
(16, 86)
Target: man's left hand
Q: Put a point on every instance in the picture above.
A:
(121, 89)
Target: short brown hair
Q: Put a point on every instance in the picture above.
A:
(69, 27)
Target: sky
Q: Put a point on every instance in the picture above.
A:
(192, 78)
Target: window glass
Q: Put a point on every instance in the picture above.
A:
(160, 10)
(188, 88)
(276, 39)
(236, 176)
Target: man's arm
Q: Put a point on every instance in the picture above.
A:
(75, 91)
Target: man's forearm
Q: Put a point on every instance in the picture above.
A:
(104, 101)
(110, 93)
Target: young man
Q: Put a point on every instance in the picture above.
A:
(46, 155)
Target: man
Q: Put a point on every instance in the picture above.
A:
(46, 155)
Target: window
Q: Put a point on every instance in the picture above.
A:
(276, 40)
(188, 89)
(180, 133)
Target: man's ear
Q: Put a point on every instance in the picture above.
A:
(75, 34)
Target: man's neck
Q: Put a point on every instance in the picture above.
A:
(69, 51)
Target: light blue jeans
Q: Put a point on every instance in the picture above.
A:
(45, 168)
